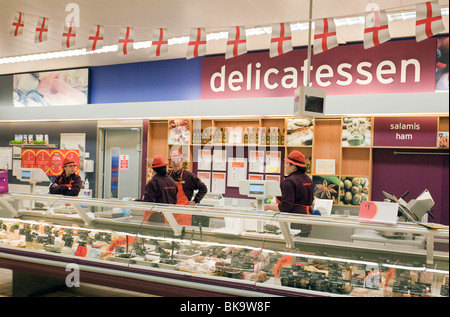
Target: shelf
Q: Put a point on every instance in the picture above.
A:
(36, 146)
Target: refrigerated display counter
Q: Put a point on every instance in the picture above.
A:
(225, 252)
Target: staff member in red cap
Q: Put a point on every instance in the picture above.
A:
(160, 189)
(187, 183)
(68, 183)
(296, 190)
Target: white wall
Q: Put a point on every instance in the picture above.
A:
(407, 103)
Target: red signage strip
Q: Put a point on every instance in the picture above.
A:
(405, 131)
(394, 67)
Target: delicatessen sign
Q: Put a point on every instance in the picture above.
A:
(394, 67)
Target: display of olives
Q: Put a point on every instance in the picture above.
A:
(353, 190)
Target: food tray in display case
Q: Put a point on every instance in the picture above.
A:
(260, 263)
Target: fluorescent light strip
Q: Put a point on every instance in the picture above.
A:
(209, 37)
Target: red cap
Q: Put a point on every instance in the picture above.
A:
(296, 158)
(68, 161)
(158, 161)
(176, 155)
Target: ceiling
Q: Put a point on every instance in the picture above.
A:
(178, 16)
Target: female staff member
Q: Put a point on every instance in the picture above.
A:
(68, 183)
(296, 190)
(160, 189)
(187, 183)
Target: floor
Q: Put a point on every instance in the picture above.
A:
(85, 290)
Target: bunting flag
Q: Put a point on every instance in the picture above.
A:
(18, 24)
(96, 37)
(428, 20)
(160, 43)
(237, 42)
(281, 41)
(325, 37)
(41, 30)
(376, 29)
(197, 43)
(126, 37)
(68, 36)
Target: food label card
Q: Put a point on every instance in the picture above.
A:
(376, 211)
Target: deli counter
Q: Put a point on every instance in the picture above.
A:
(225, 252)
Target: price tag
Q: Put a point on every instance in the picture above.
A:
(376, 211)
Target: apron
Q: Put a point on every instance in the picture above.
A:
(182, 199)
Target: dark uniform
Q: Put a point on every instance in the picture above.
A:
(161, 189)
(67, 186)
(296, 193)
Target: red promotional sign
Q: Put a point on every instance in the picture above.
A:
(43, 160)
(394, 67)
(28, 158)
(405, 131)
(55, 161)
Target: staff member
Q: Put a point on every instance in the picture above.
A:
(296, 190)
(160, 189)
(187, 183)
(68, 183)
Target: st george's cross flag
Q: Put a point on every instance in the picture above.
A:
(160, 43)
(236, 43)
(41, 30)
(281, 40)
(376, 30)
(325, 37)
(126, 40)
(428, 20)
(68, 36)
(18, 24)
(96, 37)
(197, 43)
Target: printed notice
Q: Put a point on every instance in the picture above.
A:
(220, 160)
(205, 177)
(237, 171)
(218, 183)
(204, 160)
(325, 166)
(273, 162)
(256, 162)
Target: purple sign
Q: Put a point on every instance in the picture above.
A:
(405, 131)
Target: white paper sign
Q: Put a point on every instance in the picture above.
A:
(204, 160)
(325, 166)
(220, 160)
(218, 183)
(378, 211)
(237, 171)
(273, 162)
(256, 162)
(205, 177)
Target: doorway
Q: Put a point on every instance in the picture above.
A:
(120, 159)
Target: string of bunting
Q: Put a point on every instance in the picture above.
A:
(376, 31)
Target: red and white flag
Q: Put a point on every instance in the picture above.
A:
(236, 43)
(160, 43)
(428, 20)
(376, 30)
(96, 38)
(18, 24)
(68, 36)
(197, 43)
(281, 41)
(41, 30)
(325, 37)
(126, 40)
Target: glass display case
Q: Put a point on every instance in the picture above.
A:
(226, 251)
